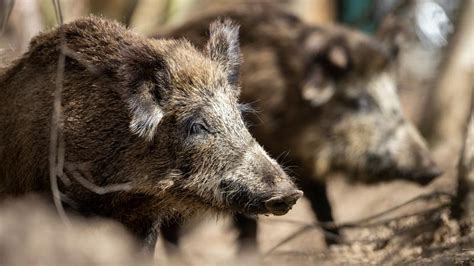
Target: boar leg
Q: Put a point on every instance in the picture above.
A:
(316, 193)
(145, 232)
(247, 228)
(171, 232)
(149, 242)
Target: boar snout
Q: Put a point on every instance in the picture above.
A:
(282, 192)
(423, 168)
(425, 177)
(427, 170)
(281, 204)
(259, 186)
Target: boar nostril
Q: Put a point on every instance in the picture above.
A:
(436, 171)
(280, 205)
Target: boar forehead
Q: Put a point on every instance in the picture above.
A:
(382, 90)
(216, 108)
(199, 89)
(224, 106)
(220, 111)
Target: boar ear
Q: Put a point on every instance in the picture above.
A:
(223, 46)
(392, 34)
(328, 60)
(338, 57)
(145, 80)
(330, 51)
(318, 88)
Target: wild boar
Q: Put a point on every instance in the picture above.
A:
(325, 97)
(159, 115)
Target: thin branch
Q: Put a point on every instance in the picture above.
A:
(71, 54)
(57, 144)
(335, 236)
(58, 12)
(100, 189)
(364, 222)
(81, 173)
(7, 17)
(388, 220)
(360, 222)
(400, 230)
(356, 223)
(56, 147)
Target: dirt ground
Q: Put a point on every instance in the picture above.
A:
(212, 242)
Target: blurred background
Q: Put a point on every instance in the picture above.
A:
(435, 71)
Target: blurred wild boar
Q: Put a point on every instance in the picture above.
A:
(324, 96)
(158, 115)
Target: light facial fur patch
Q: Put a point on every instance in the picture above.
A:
(383, 89)
(146, 115)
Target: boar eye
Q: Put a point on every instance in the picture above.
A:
(359, 103)
(198, 129)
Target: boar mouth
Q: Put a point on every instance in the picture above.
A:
(425, 177)
(281, 204)
(244, 201)
(274, 205)
(373, 176)
(384, 168)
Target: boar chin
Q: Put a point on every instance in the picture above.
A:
(419, 176)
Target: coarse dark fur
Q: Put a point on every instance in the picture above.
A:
(159, 115)
(325, 98)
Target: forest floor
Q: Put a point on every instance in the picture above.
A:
(414, 239)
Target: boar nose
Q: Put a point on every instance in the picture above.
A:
(281, 204)
(426, 176)
(428, 172)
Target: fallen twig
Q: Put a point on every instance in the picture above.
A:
(365, 222)
(361, 222)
